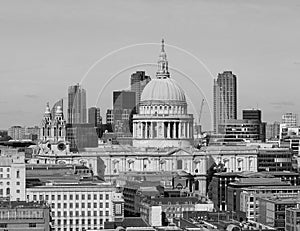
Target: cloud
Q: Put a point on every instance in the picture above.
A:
(31, 96)
(282, 104)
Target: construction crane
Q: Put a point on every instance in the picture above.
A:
(200, 112)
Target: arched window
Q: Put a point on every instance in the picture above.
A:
(18, 174)
(8, 191)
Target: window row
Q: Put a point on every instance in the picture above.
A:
(79, 205)
(72, 197)
(81, 213)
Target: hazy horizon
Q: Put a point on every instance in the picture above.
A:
(49, 45)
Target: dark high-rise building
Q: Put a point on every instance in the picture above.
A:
(95, 116)
(252, 114)
(225, 98)
(273, 131)
(123, 107)
(81, 136)
(138, 81)
(76, 105)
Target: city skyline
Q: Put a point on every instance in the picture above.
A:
(264, 54)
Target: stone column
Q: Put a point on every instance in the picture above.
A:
(184, 129)
(151, 129)
(168, 130)
(146, 130)
(188, 130)
(179, 130)
(133, 130)
(174, 130)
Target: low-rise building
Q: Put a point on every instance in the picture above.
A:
(17, 215)
(12, 175)
(271, 211)
(292, 219)
(78, 201)
(274, 159)
(236, 188)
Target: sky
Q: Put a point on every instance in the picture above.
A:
(46, 46)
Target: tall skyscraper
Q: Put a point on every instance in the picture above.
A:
(290, 119)
(138, 81)
(95, 116)
(225, 98)
(76, 105)
(123, 107)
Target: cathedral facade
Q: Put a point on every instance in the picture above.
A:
(162, 140)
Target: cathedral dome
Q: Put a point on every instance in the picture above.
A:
(163, 89)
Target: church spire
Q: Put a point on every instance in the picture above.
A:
(162, 71)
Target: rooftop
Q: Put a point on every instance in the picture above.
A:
(21, 204)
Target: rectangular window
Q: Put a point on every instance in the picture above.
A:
(77, 197)
(82, 197)
(101, 196)
(59, 197)
(65, 205)
(95, 205)
(18, 182)
(89, 205)
(107, 196)
(107, 205)
(53, 197)
(18, 191)
(89, 196)
(101, 205)
(95, 196)
(71, 197)
(32, 224)
(82, 205)
(106, 213)
(65, 197)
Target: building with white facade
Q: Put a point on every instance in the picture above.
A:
(290, 119)
(78, 206)
(12, 175)
(16, 132)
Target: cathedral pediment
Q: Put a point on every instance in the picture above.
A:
(179, 152)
